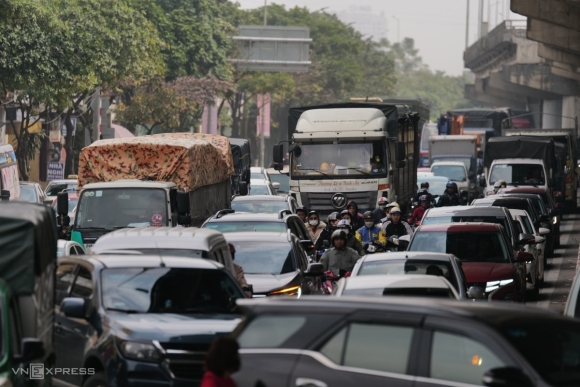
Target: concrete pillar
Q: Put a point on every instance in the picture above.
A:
(552, 114)
(570, 108)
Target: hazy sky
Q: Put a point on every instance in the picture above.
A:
(438, 26)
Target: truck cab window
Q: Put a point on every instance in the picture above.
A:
(65, 274)
(83, 287)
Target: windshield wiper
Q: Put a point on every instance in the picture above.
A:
(315, 170)
(92, 228)
(359, 170)
(124, 310)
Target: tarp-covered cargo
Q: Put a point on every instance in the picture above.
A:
(524, 147)
(189, 160)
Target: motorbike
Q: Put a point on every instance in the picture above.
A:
(318, 254)
(330, 279)
(372, 247)
(394, 244)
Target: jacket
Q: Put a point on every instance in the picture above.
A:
(368, 235)
(447, 200)
(325, 235)
(336, 260)
(315, 233)
(389, 229)
(379, 215)
(357, 220)
(421, 193)
(354, 244)
(417, 214)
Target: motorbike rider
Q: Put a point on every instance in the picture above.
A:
(388, 209)
(394, 226)
(339, 256)
(302, 212)
(420, 210)
(326, 234)
(346, 215)
(450, 197)
(424, 191)
(240, 273)
(381, 212)
(351, 240)
(314, 226)
(357, 218)
(369, 234)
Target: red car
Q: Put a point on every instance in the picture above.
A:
(490, 263)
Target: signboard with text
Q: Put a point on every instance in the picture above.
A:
(55, 171)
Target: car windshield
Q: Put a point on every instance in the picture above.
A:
(54, 189)
(265, 257)
(465, 160)
(258, 176)
(283, 180)
(414, 292)
(27, 194)
(551, 347)
(337, 160)
(259, 189)
(474, 219)
(72, 203)
(247, 226)
(404, 266)
(269, 207)
(436, 187)
(113, 208)
(186, 253)
(169, 290)
(517, 174)
(474, 246)
(452, 172)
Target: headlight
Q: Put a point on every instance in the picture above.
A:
(493, 285)
(554, 219)
(139, 351)
(291, 291)
(471, 185)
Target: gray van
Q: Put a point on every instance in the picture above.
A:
(168, 241)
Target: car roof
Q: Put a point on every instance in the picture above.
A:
(459, 227)
(410, 255)
(486, 312)
(253, 198)
(531, 190)
(504, 199)
(516, 212)
(457, 163)
(466, 211)
(257, 237)
(523, 195)
(27, 182)
(396, 281)
(433, 178)
(190, 238)
(128, 261)
(64, 181)
(247, 216)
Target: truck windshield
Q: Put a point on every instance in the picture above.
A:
(169, 290)
(333, 160)
(466, 160)
(518, 174)
(452, 172)
(121, 207)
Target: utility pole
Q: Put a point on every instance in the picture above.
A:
(480, 19)
(467, 27)
(260, 108)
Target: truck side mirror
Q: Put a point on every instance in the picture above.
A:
(400, 164)
(74, 307)
(5, 195)
(400, 151)
(278, 154)
(183, 208)
(243, 188)
(30, 349)
(482, 182)
(62, 203)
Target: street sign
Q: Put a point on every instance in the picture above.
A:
(55, 171)
(273, 48)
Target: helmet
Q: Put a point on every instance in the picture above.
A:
(497, 185)
(324, 167)
(393, 204)
(302, 208)
(423, 198)
(313, 213)
(425, 185)
(451, 185)
(395, 210)
(338, 234)
(333, 216)
(383, 200)
(345, 212)
(368, 215)
(343, 224)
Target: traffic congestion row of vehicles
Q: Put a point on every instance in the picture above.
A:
(142, 306)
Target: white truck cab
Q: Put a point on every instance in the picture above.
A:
(455, 171)
(518, 172)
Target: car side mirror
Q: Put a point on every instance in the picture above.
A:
(278, 154)
(183, 208)
(405, 238)
(482, 182)
(30, 349)
(62, 203)
(243, 188)
(540, 239)
(276, 185)
(525, 239)
(544, 231)
(508, 376)
(522, 256)
(476, 293)
(307, 245)
(4, 195)
(74, 307)
(314, 270)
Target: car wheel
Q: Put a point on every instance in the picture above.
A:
(97, 380)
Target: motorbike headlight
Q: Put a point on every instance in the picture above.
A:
(493, 285)
(139, 351)
(290, 291)
(554, 219)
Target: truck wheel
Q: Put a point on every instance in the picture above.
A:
(97, 380)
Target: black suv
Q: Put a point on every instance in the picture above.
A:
(264, 204)
(404, 342)
(145, 321)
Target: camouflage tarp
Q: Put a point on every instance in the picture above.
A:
(189, 160)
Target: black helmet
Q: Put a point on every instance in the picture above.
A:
(333, 216)
(302, 208)
(338, 234)
(368, 215)
(425, 185)
(313, 213)
(451, 185)
(345, 212)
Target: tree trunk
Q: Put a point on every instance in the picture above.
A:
(68, 145)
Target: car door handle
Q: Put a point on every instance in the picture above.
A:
(305, 382)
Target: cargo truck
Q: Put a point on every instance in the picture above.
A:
(28, 242)
(159, 180)
(351, 151)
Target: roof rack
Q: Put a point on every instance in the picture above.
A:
(281, 213)
(221, 213)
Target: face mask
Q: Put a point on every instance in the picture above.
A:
(382, 207)
(369, 224)
(313, 222)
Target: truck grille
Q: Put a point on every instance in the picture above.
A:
(322, 201)
(185, 360)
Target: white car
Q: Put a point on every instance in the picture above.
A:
(396, 285)
(56, 186)
(66, 248)
(263, 187)
(535, 268)
(424, 174)
(454, 171)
